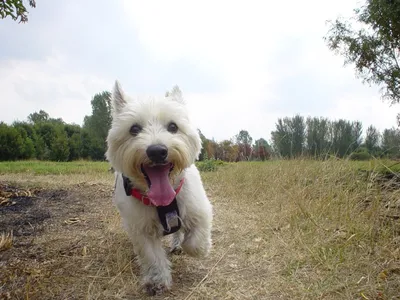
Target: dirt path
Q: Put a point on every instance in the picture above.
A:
(68, 245)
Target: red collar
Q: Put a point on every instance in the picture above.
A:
(146, 200)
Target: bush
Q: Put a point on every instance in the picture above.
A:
(361, 155)
(209, 165)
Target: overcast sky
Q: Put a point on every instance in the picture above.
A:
(240, 65)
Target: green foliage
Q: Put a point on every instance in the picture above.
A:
(345, 137)
(11, 143)
(372, 140)
(59, 146)
(27, 149)
(281, 138)
(289, 137)
(373, 49)
(243, 137)
(53, 168)
(40, 148)
(15, 9)
(298, 135)
(85, 146)
(74, 145)
(391, 143)
(39, 117)
(209, 165)
(204, 142)
(46, 138)
(97, 125)
(317, 139)
(360, 154)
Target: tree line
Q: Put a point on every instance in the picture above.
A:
(44, 138)
(312, 137)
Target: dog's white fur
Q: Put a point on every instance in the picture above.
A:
(126, 153)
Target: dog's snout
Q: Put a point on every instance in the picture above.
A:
(157, 153)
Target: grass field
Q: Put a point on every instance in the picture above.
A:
(282, 230)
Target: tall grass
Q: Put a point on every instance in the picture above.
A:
(36, 167)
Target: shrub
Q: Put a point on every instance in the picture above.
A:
(361, 155)
(209, 165)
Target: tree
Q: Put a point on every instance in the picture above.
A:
(356, 134)
(74, 140)
(341, 137)
(281, 138)
(27, 149)
(11, 143)
(15, 9)
(204, 142)
(227, 151)
(297, 131)
(244, 142)
(289, 136)
(375, 48)
(33, 147)
(38, 117)
(47, 132)
(175, 93)
(84, 149)
(317, 136)
(391, 143)
(261, 149)
(345, 137)
(59, 150)
(98, 124)
(372, 139)
(211, 149)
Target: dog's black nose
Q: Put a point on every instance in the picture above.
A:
(157, 153)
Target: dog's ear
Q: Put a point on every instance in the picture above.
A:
(118, 98)
(176, 95)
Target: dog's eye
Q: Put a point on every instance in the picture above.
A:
(135, 129)
(172, 127)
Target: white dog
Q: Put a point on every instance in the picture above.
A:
(152, 147)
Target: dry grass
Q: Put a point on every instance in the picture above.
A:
(282, 230)
(6, 241)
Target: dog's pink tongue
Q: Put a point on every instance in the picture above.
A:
(161, 193)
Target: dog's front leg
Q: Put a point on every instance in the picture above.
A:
(154, 264)
(176, 242)
(197, 241)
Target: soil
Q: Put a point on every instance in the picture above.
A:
(43, 223)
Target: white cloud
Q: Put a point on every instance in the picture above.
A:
(29, 86)
(368, 109)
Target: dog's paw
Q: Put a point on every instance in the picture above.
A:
(156, 283)
(153, 289)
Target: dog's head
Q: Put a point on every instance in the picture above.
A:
(151, 140)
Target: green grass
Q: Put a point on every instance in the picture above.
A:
(53, 168)
(37, 167)
(383, 166)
